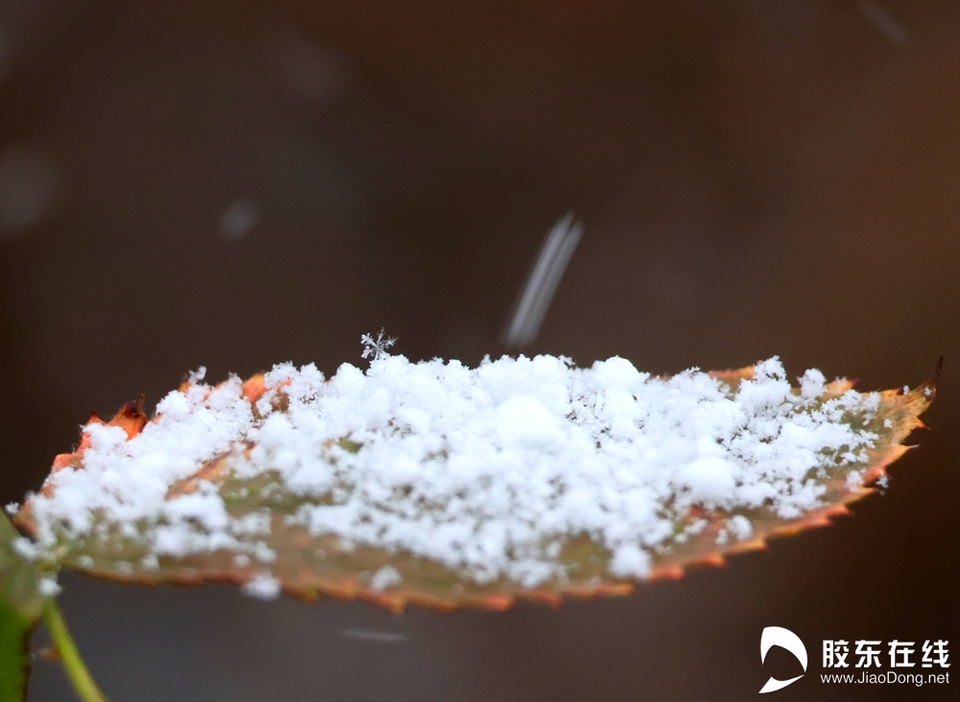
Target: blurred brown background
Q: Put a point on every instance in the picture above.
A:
(240, 183)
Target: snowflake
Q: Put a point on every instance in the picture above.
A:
(376, 347)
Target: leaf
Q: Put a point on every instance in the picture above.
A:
(20, 605)
(238, 516)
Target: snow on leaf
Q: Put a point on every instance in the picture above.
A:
(447, 486)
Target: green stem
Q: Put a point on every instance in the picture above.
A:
(73, 664)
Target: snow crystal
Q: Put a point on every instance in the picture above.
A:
(262, 587)
(629, 560)
(27, 549)
(740, 527)
(385, 578)
(486, 470)
(709, 480)
(854, 480)
(811, 384)
(48, 587)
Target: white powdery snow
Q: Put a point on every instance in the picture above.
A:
(262, 587)
(485, 470)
